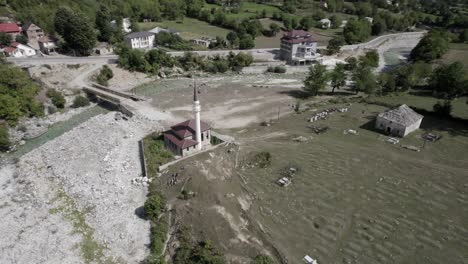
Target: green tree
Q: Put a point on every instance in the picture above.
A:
(77, 32)
(338, 77)
(371, 59)
(274, 29)
(356, 31)
(364, 80)
(335, 44)
(9, 109)
(335, 21)
(449, 79)
(316, 80)
(246, 42)
(378, 27)
(431, 47)
(306, 23)
(5, 39)
(233, 39)
(103, 24)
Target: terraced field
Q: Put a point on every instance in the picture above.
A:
(358, 199)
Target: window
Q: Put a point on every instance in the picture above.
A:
(194, 147)
(202, 136)
(187, 149)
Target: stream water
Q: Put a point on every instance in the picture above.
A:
(57, 130)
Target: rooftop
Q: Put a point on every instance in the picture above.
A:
(9, 28)
(141, 34)
(187, 128)
(402, 115)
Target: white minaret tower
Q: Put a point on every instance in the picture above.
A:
(196, 111)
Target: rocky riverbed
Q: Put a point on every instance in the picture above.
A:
(72, 199)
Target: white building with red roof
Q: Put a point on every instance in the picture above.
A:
(190, 136)
(298, 47)
(19, 50)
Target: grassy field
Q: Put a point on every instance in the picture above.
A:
(189, 28)
(357, 199)
(457, 52)
(460, 106)
(354, 199)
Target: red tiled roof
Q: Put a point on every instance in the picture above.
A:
(9, 49)
(187, 128)
(15, 44)
(299, 40)
(296, 33)
(9, 28)
(181, 143)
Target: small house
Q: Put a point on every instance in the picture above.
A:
(399, 121)
(32, 31)
(326, 23)
(140, 40)
(11, 29)
(47, 44)
(18, 50)
(205, 42)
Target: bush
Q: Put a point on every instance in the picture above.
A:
(80, 101)
(57, 98)
(104, 75)
(277, 69)
(443, 108)
(263, 159)
(262, 259)
(154, 204)
(4, 138)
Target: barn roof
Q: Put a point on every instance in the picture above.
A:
(402, 115)
(187, 128)
(9, 28)
(141, 34)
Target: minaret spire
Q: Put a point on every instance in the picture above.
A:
(196, 110)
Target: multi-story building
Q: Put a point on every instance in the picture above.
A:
(298, 47)
(140, 40)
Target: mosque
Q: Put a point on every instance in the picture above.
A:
(190, 136)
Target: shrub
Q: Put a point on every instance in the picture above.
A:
(443, 108)
(4, 138)
(154, 205)
(262, 259)
(277, 69)
(57, 98)
(263, 159)
(104, 75)
(80, 101)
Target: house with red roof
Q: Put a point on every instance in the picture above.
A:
(190, 136)
(11, 29)
(19, 50)
(298, 47)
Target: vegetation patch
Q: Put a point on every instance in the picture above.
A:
(91, 250)
(156, 153)
(57, 98)
(192, 252)
(80, 101)
(105, 74)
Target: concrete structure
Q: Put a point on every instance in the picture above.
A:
(190, 136)
(298, 47)
(140, 40)
(326, 23)
(47, 44)
(126, 24)
(399, 121)
(205, 42)
(33, 32)
(103, 48)
(11, 29)
(18, 50)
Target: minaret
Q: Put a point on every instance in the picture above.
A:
(196, 110)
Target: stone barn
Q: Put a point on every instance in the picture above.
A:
(399, 121)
